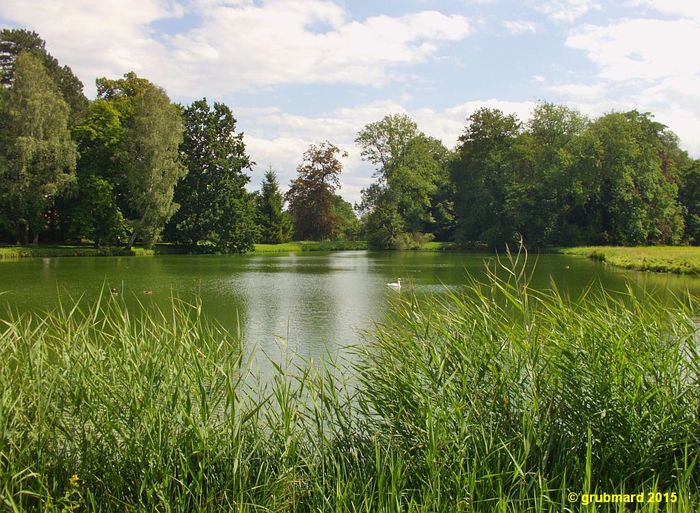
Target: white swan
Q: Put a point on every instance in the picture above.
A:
(396, 286)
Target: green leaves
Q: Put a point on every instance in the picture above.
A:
(275, 224)
(215, 208)
(411, 169)
(38, 154)
(567, 181)
(311, 194)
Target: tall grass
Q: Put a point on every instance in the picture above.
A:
(507, 396)
(498, 398)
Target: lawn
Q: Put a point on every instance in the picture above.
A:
(672, 259)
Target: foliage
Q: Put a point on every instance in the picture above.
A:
(276, 225)
(689, 197)
(411, 169)
(96, 215)
(38, 156)
(147, 153)
(481, 172)
(564, 180)
(311, 194)
(348, 226)
(638, 190)
(15, 41)
(215, 207)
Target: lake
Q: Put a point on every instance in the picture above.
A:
(306, 303)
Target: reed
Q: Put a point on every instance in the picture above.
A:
(497, 398)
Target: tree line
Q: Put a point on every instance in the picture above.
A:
(131, 166)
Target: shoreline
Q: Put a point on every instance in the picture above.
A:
(660, 259)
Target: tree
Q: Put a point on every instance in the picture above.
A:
(214, 203)
(96, 215)
(147, 154)
(310, 195)
(275, 224)
(481, 173)
(637, 180)
(545, 188)
(411, 168)
(348, 226)
(15, 41)
(689, 197)
(38, 156)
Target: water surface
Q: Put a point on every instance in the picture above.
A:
(307, 303)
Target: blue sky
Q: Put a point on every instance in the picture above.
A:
(296, 72)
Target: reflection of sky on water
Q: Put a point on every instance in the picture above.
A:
(312, 304)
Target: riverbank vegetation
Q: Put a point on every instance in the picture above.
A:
(130, 166)
(11, 252)
(668, 259)
(496, 398)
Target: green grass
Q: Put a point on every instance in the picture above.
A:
(12, 252)
(437, 246)
(497, 398)
(672, 259)
(337, 245)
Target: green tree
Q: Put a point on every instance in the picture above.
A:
(689, 197)
(638, 173)
(147, 154)
(275, 224)
(96, 215)
(411, 169)
(348, 225)
(215, 207)
(98, 137)
(481, 173)
(15, 41)
(545, 187)
(310, 196)
(38, 156)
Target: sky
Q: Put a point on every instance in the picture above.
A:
(296, 72)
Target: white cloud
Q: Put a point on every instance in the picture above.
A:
(581, 92)
(684, 8)
(96, 38)
(237, 45)
(564, 10)
(640, 49)
(645, 64)
(520, 26)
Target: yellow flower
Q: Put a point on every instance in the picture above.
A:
(74, 480)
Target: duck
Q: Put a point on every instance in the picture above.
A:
(396, 285)
(113, 290)
(148, 291)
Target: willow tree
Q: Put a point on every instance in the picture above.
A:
(37, 156)
(311, 194)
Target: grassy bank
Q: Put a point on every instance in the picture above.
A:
(497, 399)
(672, 259)
(334, 245)
(11, 252)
